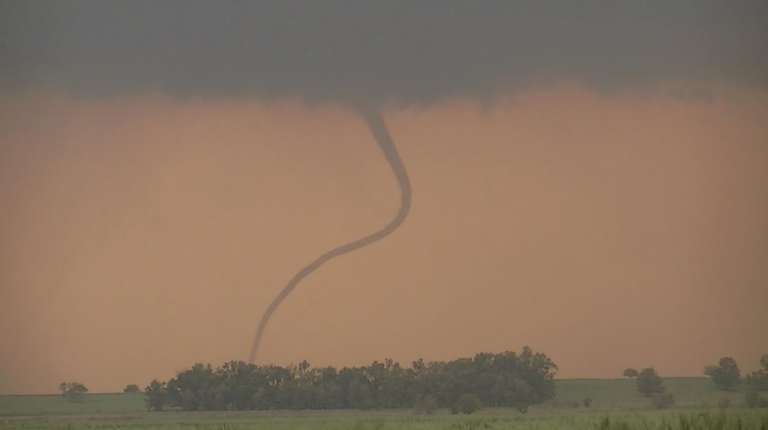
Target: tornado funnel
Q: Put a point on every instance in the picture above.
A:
(378, 128)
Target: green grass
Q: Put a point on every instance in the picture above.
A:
(345, 420)
(622, 394)
(607, 394)
(617, 406)
(56, 405)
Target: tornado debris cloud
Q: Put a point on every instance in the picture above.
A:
(378, 128)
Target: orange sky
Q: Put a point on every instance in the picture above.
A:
(142, 235)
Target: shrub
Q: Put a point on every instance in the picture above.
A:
(723, 403)
(755, 401)
(752, 399)
(588, 402)
(662, 401)
(426, 404)
(468, 403)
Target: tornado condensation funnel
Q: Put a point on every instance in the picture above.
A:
(378, 128)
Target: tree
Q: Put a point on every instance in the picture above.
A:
(757, 381)
(73, 391)
(239, 382)
(630, 373)
(649, 382)
(157, 395)
(726, 374)
(132, 388)
(191, 388)
(507, 379)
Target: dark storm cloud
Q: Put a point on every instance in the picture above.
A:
(413, 51)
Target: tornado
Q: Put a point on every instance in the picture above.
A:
(378, 129)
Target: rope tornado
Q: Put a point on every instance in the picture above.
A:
(378, 129)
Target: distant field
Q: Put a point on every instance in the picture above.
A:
(56, 405)
(621, 394)
(607, 394)
(389, 420)
(616, 401)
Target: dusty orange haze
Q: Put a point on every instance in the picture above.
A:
(140, 236)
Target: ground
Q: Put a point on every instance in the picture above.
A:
(617, 405)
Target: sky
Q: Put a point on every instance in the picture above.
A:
(589, 181)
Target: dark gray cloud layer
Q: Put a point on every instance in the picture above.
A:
(413, 51)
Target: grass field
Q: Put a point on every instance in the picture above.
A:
(607, 395)
(356, 420)
(349, 420)
(617, 405)
(621, 394)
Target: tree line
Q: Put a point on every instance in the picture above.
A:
(506, 379)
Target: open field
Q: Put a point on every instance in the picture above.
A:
(617, 405)
(55, 405)
(607, 395)
(621, 394)
(391, 420)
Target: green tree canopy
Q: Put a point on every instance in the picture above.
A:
(506, 379)
(630, 373)
(758, 381)
(157, 395)
(132, 388)
(73, 391)
(726, 374)
(649, 382)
